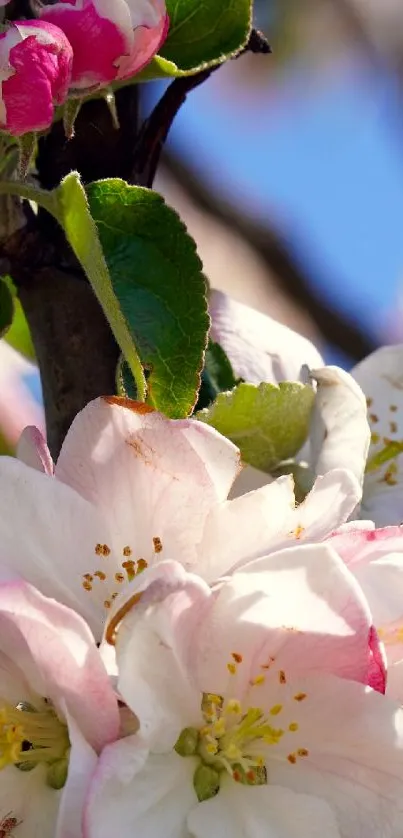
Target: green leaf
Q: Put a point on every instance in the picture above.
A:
(157, 278)
(268, 423)
(206, 32)
(81, 232)
(6, 305)
(144, 269)
(217, 375)
(68, 204)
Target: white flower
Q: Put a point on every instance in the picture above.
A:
(57, 711)
(255, 718)
(131, 488)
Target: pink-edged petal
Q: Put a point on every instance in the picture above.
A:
(259, 348)
(48, 534)
(150, 477)
(376, 559)
(340, 432)
(82, 765)
(58, 656)
(262, 812)
(354, 739)
(147, 795)
(33, 450)
(147, 42)
(296, 611)
(380, 377)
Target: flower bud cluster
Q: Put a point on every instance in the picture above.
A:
(72, 49)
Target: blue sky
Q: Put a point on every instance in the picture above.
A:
(323, 160)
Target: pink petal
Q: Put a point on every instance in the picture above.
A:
(57, 654)
(42, 58)
(99, 37)
(147, 42)
(34, 452)
(300, 607)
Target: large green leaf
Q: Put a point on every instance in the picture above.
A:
(146, 275)
(6, 305)
(157, 278)
(204, 32)
(74, 215)
(268, 423)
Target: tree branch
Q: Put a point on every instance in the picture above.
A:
(289, 273)
(155, 129)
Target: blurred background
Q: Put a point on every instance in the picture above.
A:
(288, 170)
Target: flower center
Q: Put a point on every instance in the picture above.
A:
(232, 740)
(29, 736)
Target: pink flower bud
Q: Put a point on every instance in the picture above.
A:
(111, 39)
(35, 72)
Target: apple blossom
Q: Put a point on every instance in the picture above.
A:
(111, 39)
(131, 488)
(34, 56)
(255, 714)
(57, 711)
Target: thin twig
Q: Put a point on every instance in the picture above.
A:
(155, 130)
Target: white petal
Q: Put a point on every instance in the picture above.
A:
(268, 519)
(145, 653)
(48, 535)
(25, 796)
(262, 812)
(143, 794)
(82, 764)
(259, 348)
(150, 477)
(340, 432)
(246, 528)
(354, 739)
